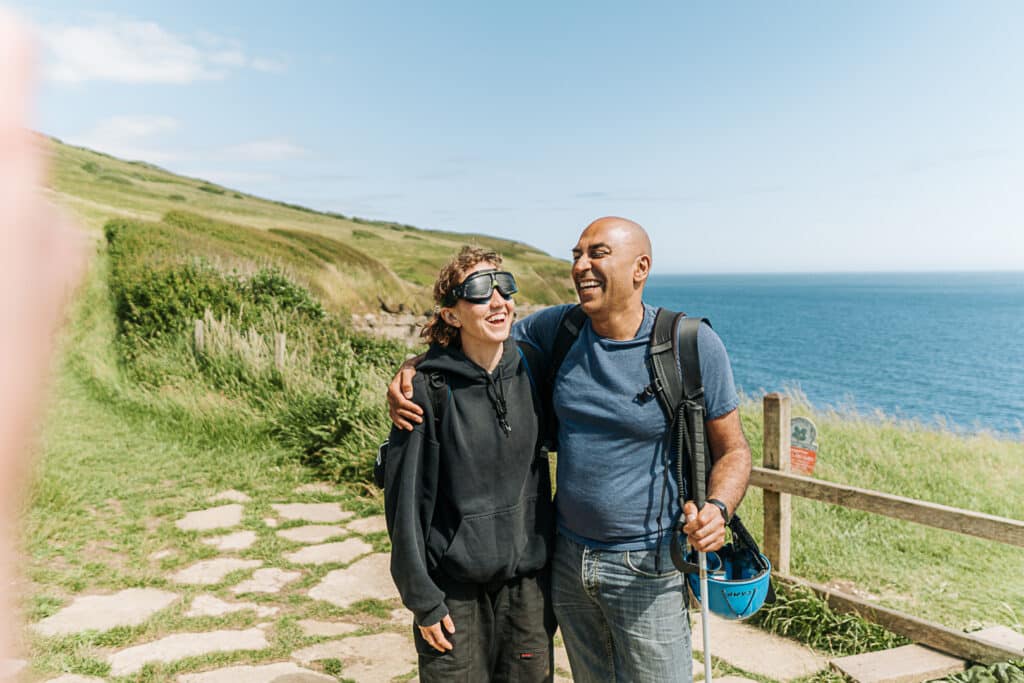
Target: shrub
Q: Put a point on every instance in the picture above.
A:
(324, 404)
(176, 197)
(91, 167)
(270, 286)
(211, 189)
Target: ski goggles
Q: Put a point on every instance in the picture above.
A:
(477, 287)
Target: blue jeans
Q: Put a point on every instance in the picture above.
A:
(620, 618)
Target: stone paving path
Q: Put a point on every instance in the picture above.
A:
(329, 560)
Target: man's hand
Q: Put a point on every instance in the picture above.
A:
(434, 635)
(705, 530)
(404, 413)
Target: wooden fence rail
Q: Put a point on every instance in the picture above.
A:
(779, 485)
(966, 522)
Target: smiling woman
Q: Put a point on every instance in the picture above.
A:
(468, 491)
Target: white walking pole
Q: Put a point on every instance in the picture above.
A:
(705, 611)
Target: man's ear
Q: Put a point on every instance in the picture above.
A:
(641, 269)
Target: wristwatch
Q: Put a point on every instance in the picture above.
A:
(721, 508)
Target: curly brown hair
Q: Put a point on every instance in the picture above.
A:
(436, 330)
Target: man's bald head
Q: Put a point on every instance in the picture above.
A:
(625, 234)
(611, 262)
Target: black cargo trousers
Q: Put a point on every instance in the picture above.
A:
(503, 633)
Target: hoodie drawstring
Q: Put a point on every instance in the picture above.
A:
(496, 392)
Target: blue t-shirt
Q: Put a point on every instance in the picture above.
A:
(612, 489)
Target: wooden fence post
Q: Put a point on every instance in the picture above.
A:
(200, 341)
(279, 349)
(777, 506)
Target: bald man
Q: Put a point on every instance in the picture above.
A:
(619, 600)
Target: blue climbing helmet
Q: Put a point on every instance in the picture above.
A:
(738, 580)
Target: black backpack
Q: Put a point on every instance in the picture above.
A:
(672, 346)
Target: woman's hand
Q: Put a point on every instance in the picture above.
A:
(435, 634)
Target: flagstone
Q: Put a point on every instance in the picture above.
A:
(562, 659)
(129, 607)
(181, 645)
(209, 572)
(375, 658)
(312, 533)
(213, 518)
(75, 678)
(906, 664)
(312, 627)
(240, 540)
(698, 670)
(211, 606)
(231, 495)
(369, 525)
(315, 487)
(313, 512)
(282, 672)
(162, 554)
(270, 522)
(1004, 636)
(369, 578)
(270, 580)
(328, 553)
(752, 649)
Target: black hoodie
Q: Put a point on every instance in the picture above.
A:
(468, 499)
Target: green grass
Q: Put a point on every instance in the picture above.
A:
(926, 572)
(803, 616)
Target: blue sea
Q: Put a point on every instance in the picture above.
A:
(941, 348)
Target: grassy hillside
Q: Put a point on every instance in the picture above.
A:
(348, 262)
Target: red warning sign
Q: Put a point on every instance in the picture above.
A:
(802, 459)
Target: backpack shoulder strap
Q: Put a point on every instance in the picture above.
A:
(689, 357)
(438, 390)
(568, 331)
(533, 361)
(662, 352)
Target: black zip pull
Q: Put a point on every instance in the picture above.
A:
(505, 427)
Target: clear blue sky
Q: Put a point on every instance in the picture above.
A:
(808, 136)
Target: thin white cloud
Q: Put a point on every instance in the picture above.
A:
(233, 179)
(132, 51)
(132, 137)
(276, 149)
(270, 66)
